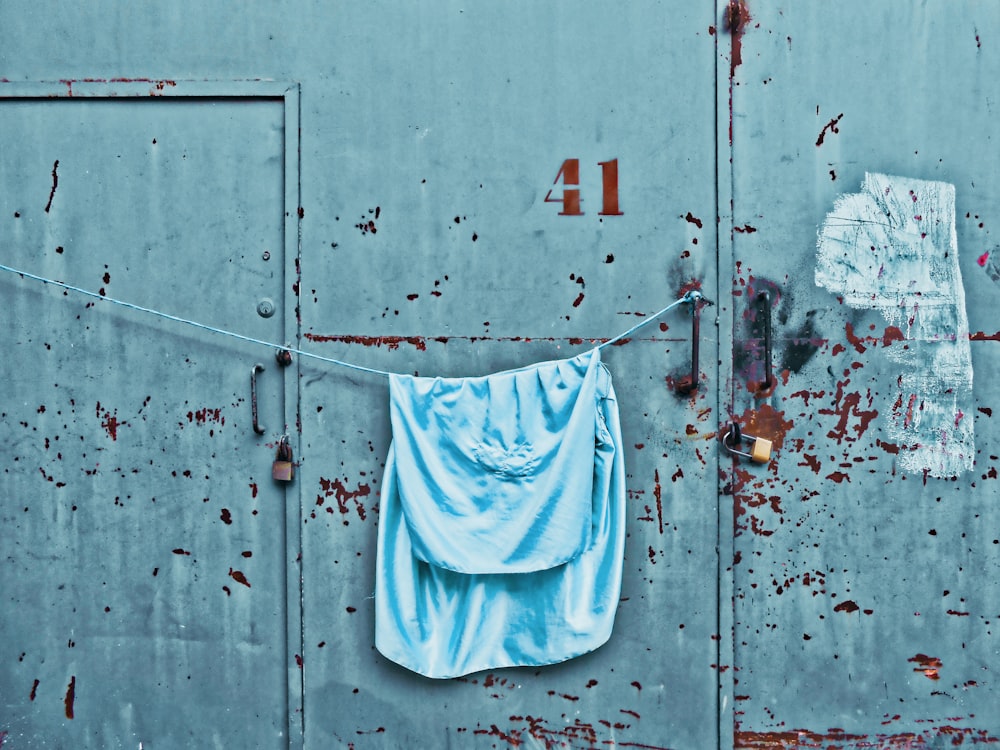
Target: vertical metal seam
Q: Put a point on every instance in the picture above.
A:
(725, 634)
(295, 636)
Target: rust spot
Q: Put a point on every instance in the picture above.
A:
(831, 127)
(892, 333)
(927, 665)
(811, 461)
(52, 192)
(766, 422)
(848, 406)
(847, 606)
(205, 415)
(736, 18)
(34, 691)
(70, 697)
(691, 219)
(855, 341)
(238, 576)
(980, 336)
(110, 421)
(337, 489)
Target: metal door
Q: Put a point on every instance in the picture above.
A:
(866, 552)
(146, 558)
(542, 182)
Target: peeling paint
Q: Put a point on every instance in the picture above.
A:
(893, 248)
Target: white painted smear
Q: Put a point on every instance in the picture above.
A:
(892, 248)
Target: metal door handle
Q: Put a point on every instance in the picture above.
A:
(253, 397)
(765, 298)
(696, 299)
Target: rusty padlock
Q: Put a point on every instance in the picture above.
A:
(760, 448)
(283, 470)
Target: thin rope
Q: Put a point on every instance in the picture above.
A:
(692, 297)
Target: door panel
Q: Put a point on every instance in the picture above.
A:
(465, 269)
(144, 564)
(865, 586)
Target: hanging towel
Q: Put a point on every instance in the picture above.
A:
(502, 518)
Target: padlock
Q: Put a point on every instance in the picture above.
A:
(760, 448)
(283, 470)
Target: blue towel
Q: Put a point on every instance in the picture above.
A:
(502, 518)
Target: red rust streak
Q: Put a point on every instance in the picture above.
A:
(980, 336)
(657, 493)
(801, 738)
(855, 340)
(70, 696)
(238, 576)
(391, 342)
(831, 127)
(55, 184)
(737, 17)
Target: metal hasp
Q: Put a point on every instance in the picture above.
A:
(283, 357)
(689, 384)
(253, 397)
(760, 449)
(764, 305)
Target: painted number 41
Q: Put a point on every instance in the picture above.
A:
(569, 176)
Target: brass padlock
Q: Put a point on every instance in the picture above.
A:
(283, 470)
(760, 448)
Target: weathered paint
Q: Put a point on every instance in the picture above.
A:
(893, 248)
(144, 566)
(864, 589)
(782, 605)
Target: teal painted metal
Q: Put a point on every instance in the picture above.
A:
(146, 568)
(866, 595)
(398, 189)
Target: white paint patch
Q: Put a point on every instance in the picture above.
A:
(892, 248)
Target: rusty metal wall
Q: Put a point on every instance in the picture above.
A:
(396, 178)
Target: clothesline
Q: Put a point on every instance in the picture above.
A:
(692, 297)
